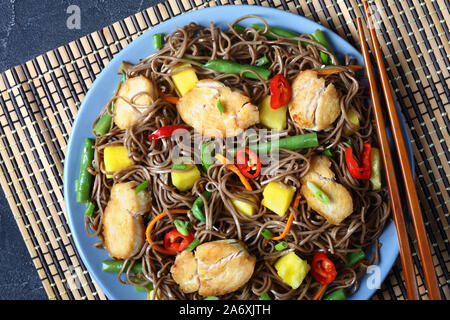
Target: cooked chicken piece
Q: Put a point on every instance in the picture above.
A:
(199, 109)
(123, 225)
(313, 105)
(138, 90)
(184, 272)
(219, 267)
(341, 203)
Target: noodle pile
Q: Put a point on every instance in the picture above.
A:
(309, 233)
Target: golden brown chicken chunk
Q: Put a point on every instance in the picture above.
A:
(138, 90)
(218, 267)
(313, 105)
(199, 109)
(123, 225)
(341, 203)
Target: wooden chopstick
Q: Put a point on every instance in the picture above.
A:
(413, 201)
(394, 194)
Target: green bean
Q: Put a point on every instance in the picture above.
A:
(85, 178)
(301, 141)
(227, 66)
(157, 41)
(148, 286)
(114, 266)
(354, 257)
(238, 28)
(197, 207)
(89, 209)
(336, 295)
(277, 31)
(320, 38)
(102, 126)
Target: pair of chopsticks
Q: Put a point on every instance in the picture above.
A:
(419, 227)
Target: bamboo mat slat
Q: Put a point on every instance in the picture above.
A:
(40, 99)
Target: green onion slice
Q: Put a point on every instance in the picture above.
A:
(220, 106)
(280, 246)
(318, 193)
(179, 166)
(191, 246)
(265, 296)
(182, 226)
(266, 234)
(143, 186)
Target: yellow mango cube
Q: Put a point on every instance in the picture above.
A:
(244, 207)
(116, 158)
(186, 179)
(278, 197)
(272, 118)
(292, 269)
(353, 117)
(184, 80)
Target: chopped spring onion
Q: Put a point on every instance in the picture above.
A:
(220, 106)
(280, 246)
(265, 296)
(262, 61)
(142, 187)
(124, 76)
(179, 166)
(182, 226)
(191, 246)
(211, 298)
(354, 257)
(327, 152)
(336, 295)
(266, 234)
(318, 193)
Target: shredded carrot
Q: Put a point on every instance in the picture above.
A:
(233, 168)
(171, 99)
(156, 219)
(286, 228)
(320, 292)
(297, 199)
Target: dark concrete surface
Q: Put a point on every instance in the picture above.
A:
(29, 28)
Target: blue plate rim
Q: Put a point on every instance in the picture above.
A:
(101, 279)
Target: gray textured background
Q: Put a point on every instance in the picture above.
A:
(29, 28)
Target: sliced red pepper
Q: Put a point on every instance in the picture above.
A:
(323, 269)
(248, 162)
(166, 131)
(280, 91)
(175, 241)
(356, 171)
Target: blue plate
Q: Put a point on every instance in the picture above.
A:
(103, 88)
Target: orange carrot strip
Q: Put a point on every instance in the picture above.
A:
(153, 222)
(297, 199)
(320, 292)
(171, 99)
(286, 228)
(233, 168)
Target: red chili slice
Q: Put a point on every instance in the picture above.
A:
(166, 131)
(175, 241)
(280, 91)
(364, 172)
(323, 269)
(248, 163)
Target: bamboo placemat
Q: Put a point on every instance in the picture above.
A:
(40, 98)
